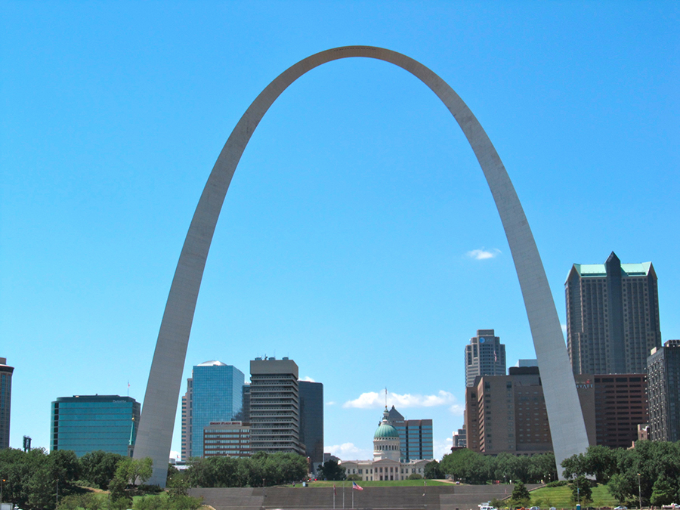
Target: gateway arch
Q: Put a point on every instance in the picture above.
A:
(154, 436)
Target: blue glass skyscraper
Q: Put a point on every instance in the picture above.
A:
(85, 423)
(216, 396)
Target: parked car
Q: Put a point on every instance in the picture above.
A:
(535, 508)
(621, 508)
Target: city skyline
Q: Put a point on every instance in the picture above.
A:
(93, 214)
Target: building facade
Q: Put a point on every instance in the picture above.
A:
(664, 392)
(231, 438)
(620, 407)
(415, 437)
(213, 394)
(187, 418)
(311, 421)
(612, 317)
(86, 423)
(5, 401)
(387, 463)
(275, 406)
(508, 413)
(484, 355)
(460, 439)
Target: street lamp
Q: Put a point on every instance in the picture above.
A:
(639, 492)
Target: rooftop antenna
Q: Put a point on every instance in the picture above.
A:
(385, 397)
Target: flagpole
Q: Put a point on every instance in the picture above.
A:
(343, 494)
(333, 496)
(352, 497)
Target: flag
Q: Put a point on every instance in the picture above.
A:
(357, 486)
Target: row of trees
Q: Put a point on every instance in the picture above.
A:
(261, 469)
(476, 468)
(37, 480)
(650, 471)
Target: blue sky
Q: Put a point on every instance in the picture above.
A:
(345, 241)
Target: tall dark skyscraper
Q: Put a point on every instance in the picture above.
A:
(274, 406)
(612, 317)
(311, 420)
(484, 355)
(663, 383)
(85, 423)
(5, 401)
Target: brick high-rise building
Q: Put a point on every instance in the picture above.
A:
(187, 429)
(274, 406)
(663, 374)
(612, 317)
(484, 355)
(620, 407)
(508, 413)
(5, 401)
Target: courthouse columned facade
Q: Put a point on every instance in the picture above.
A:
(386, 454)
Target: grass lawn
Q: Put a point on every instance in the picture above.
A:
(560, 497)
(395, 483)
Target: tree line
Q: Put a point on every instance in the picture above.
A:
(36, 480)
(649, 472)
(260, 470)
(476, 468)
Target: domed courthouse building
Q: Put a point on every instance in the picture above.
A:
(386, 463)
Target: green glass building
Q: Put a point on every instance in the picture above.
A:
(86, 423)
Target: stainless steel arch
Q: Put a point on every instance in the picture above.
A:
(162, 393)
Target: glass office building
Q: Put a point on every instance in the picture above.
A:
(415, 435)
(86, 423)
(216, 397)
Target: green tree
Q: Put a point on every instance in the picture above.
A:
(663, 492)
(601, 462)
(141, 470)
(618, 487)
(581, 491)
(117, 486)
(99, 467)
(433, 470)
(331, 470)
(42, 490)
(520, 495)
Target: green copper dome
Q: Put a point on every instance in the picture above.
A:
(385, 431)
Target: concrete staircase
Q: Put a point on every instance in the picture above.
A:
(441, 497)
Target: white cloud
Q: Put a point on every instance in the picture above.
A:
(348, 451)
(564, 328)
(374, 400)
(457, 409)
(483, 254)
(331, 403)
(307, 379)
(441, 448)
(174, 455)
